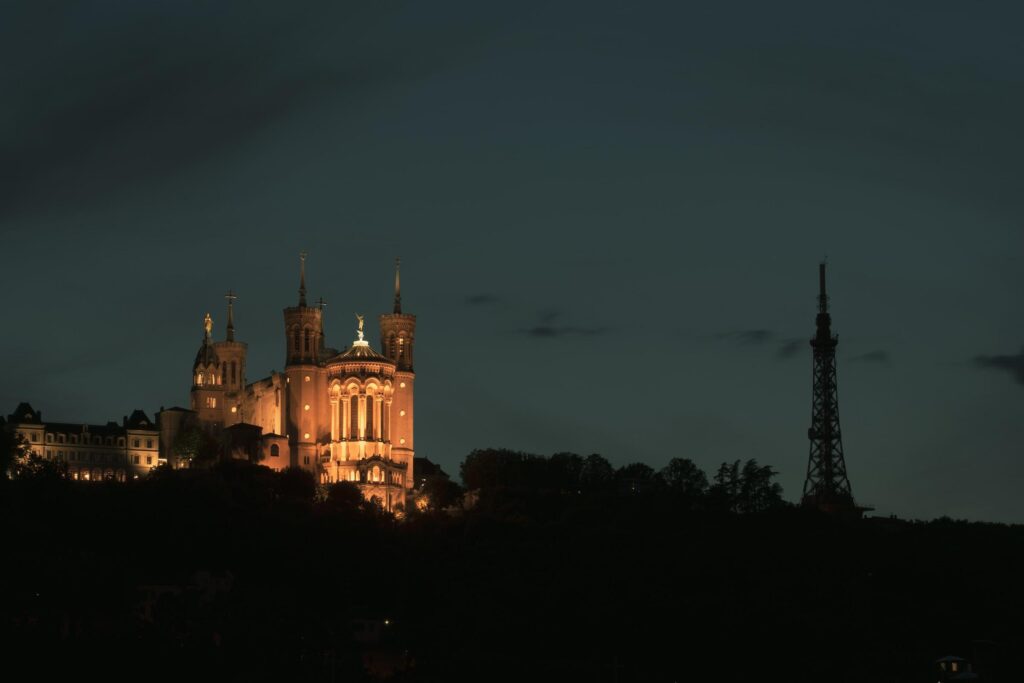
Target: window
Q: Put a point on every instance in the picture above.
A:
(136, 443)
(211, 402)
(306, 460)
(120, 441)
(149, 459)
(305, 339)
(60, 438)
(149, 443)
(275, 450)
(35, 437)
(199, 379)
(49, 438)
(135, 460)
(74, 439)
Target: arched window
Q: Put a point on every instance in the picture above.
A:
(295, 339)
(305, 337)
(275, 450)
(354, 416)
(199, 379)
(371, 415)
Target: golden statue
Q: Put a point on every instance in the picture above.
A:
(360, 319)
(208, 324)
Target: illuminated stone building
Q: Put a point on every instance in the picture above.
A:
(92, 452)
(342, 415)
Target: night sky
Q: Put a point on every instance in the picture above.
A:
(609, 214)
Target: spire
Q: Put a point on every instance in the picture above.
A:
(398, 287)
(824, 320)
(302, 278)
(822, 297)
(230, 296)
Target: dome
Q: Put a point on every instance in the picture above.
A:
(359, 352)
(207, 355)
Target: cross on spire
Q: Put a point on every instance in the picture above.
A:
(321, 303)
(398, 287)
(230, 296)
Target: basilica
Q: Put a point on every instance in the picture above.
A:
(341, 415)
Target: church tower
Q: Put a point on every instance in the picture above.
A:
(207, 388)
(306, 412)
(232, 367)
(398, 337)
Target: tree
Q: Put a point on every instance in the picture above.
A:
(13, 449)
(745, 491)
(563, 471)
(683, 477)
(344, 495)
(440, 492)
(724, 492)
(195, 446)
(757, 490)
(596, 473)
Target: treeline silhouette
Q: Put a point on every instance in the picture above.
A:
(558, 568)
(748, 488)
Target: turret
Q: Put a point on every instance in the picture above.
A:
(207, 397)
(398, 339)
(306, 410)
(232, 366)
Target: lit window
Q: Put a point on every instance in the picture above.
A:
(402, 385)
(401, 441)
(401, 413)
(211, 402)
(307, 378)
(305, 436)
(305, 407)
(234, 409)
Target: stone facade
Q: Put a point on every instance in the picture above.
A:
(343, 416)
(92, 452)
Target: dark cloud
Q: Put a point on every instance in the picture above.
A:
(876, 356)
(790, 348)
(117, 99)
(757, 336)
(546, 329)
(550, 331)
(483, 299)
(1014, 365)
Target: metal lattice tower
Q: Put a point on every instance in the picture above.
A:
(827, 486)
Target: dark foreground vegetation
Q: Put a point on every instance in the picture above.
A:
(236, 573)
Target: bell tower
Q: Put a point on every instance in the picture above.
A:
(207, 395)
(306, 409)
(398, 339)
(232, 367)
